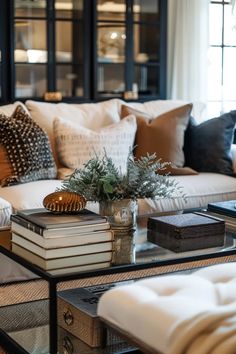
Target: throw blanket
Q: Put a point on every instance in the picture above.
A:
(178, 314)
(211, 332)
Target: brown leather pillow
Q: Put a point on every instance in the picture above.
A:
(163, 135)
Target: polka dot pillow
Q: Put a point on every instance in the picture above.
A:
(25, 151)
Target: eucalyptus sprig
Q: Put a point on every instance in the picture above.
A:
(101, 180)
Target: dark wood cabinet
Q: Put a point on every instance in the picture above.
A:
(82, 50)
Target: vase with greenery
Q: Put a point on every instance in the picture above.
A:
(101, 181)
(117, 194)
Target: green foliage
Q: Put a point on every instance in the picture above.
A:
(101, 180)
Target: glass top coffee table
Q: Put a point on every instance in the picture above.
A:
(28, 309)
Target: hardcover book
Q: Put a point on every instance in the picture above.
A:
(230, 222)
(81, 268)
(62, 241)
(60, 252)
(57, 263)
(226, 208)
(57, 232)
(41, 220)
(186, 232)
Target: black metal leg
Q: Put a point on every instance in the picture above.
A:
(53, 317)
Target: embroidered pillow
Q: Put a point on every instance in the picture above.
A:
(163, 135)
(76, 144)
(25, 150)
(208, 145)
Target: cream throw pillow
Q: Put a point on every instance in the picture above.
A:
(76, 144)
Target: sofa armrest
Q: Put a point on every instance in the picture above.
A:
(233, 151)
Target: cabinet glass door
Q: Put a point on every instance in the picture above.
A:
(128, 48)
(30, 43)
(48, 55)
(69, 47)
(111, 46)
(146, 34)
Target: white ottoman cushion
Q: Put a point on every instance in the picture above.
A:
(178, 314)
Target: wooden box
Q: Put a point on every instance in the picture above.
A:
(77, 314)
(67, 343)
(186, 232)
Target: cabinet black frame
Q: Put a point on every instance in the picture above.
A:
(90, 93)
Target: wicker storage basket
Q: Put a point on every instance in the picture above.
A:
(77, 313)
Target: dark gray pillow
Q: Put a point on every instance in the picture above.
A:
(207, 146)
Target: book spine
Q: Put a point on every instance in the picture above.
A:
(27, 224)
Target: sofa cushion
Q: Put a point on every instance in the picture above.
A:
(29, 195)
(89, 115)
(199, 190)
(25, 150)
(76, 144)
(163, 135)
(208, 145)
(12, 271)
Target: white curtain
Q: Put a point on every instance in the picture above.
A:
(187, 49)
(233, 3)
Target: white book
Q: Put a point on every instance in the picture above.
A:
(59, 263)
(81, 268)
(62, 251)
(60, 241)
(60, 231)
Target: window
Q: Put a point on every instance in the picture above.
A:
(222, 58)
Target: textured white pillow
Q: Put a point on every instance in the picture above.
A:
(90, 115)
(76, 144)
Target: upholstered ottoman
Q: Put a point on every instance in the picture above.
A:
(177, 314)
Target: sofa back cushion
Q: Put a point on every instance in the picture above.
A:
(157, 107)
(163, 135)
(25, 150)
(89, 115)
(77, 144)
(10, 108)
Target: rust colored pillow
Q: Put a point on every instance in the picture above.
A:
(5, 164)
(163, 135)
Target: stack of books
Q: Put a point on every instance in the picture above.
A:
(62, 243)
(225, 210)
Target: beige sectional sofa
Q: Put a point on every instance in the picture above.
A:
(199, 189)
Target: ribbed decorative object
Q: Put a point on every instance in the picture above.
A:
(64, 202)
